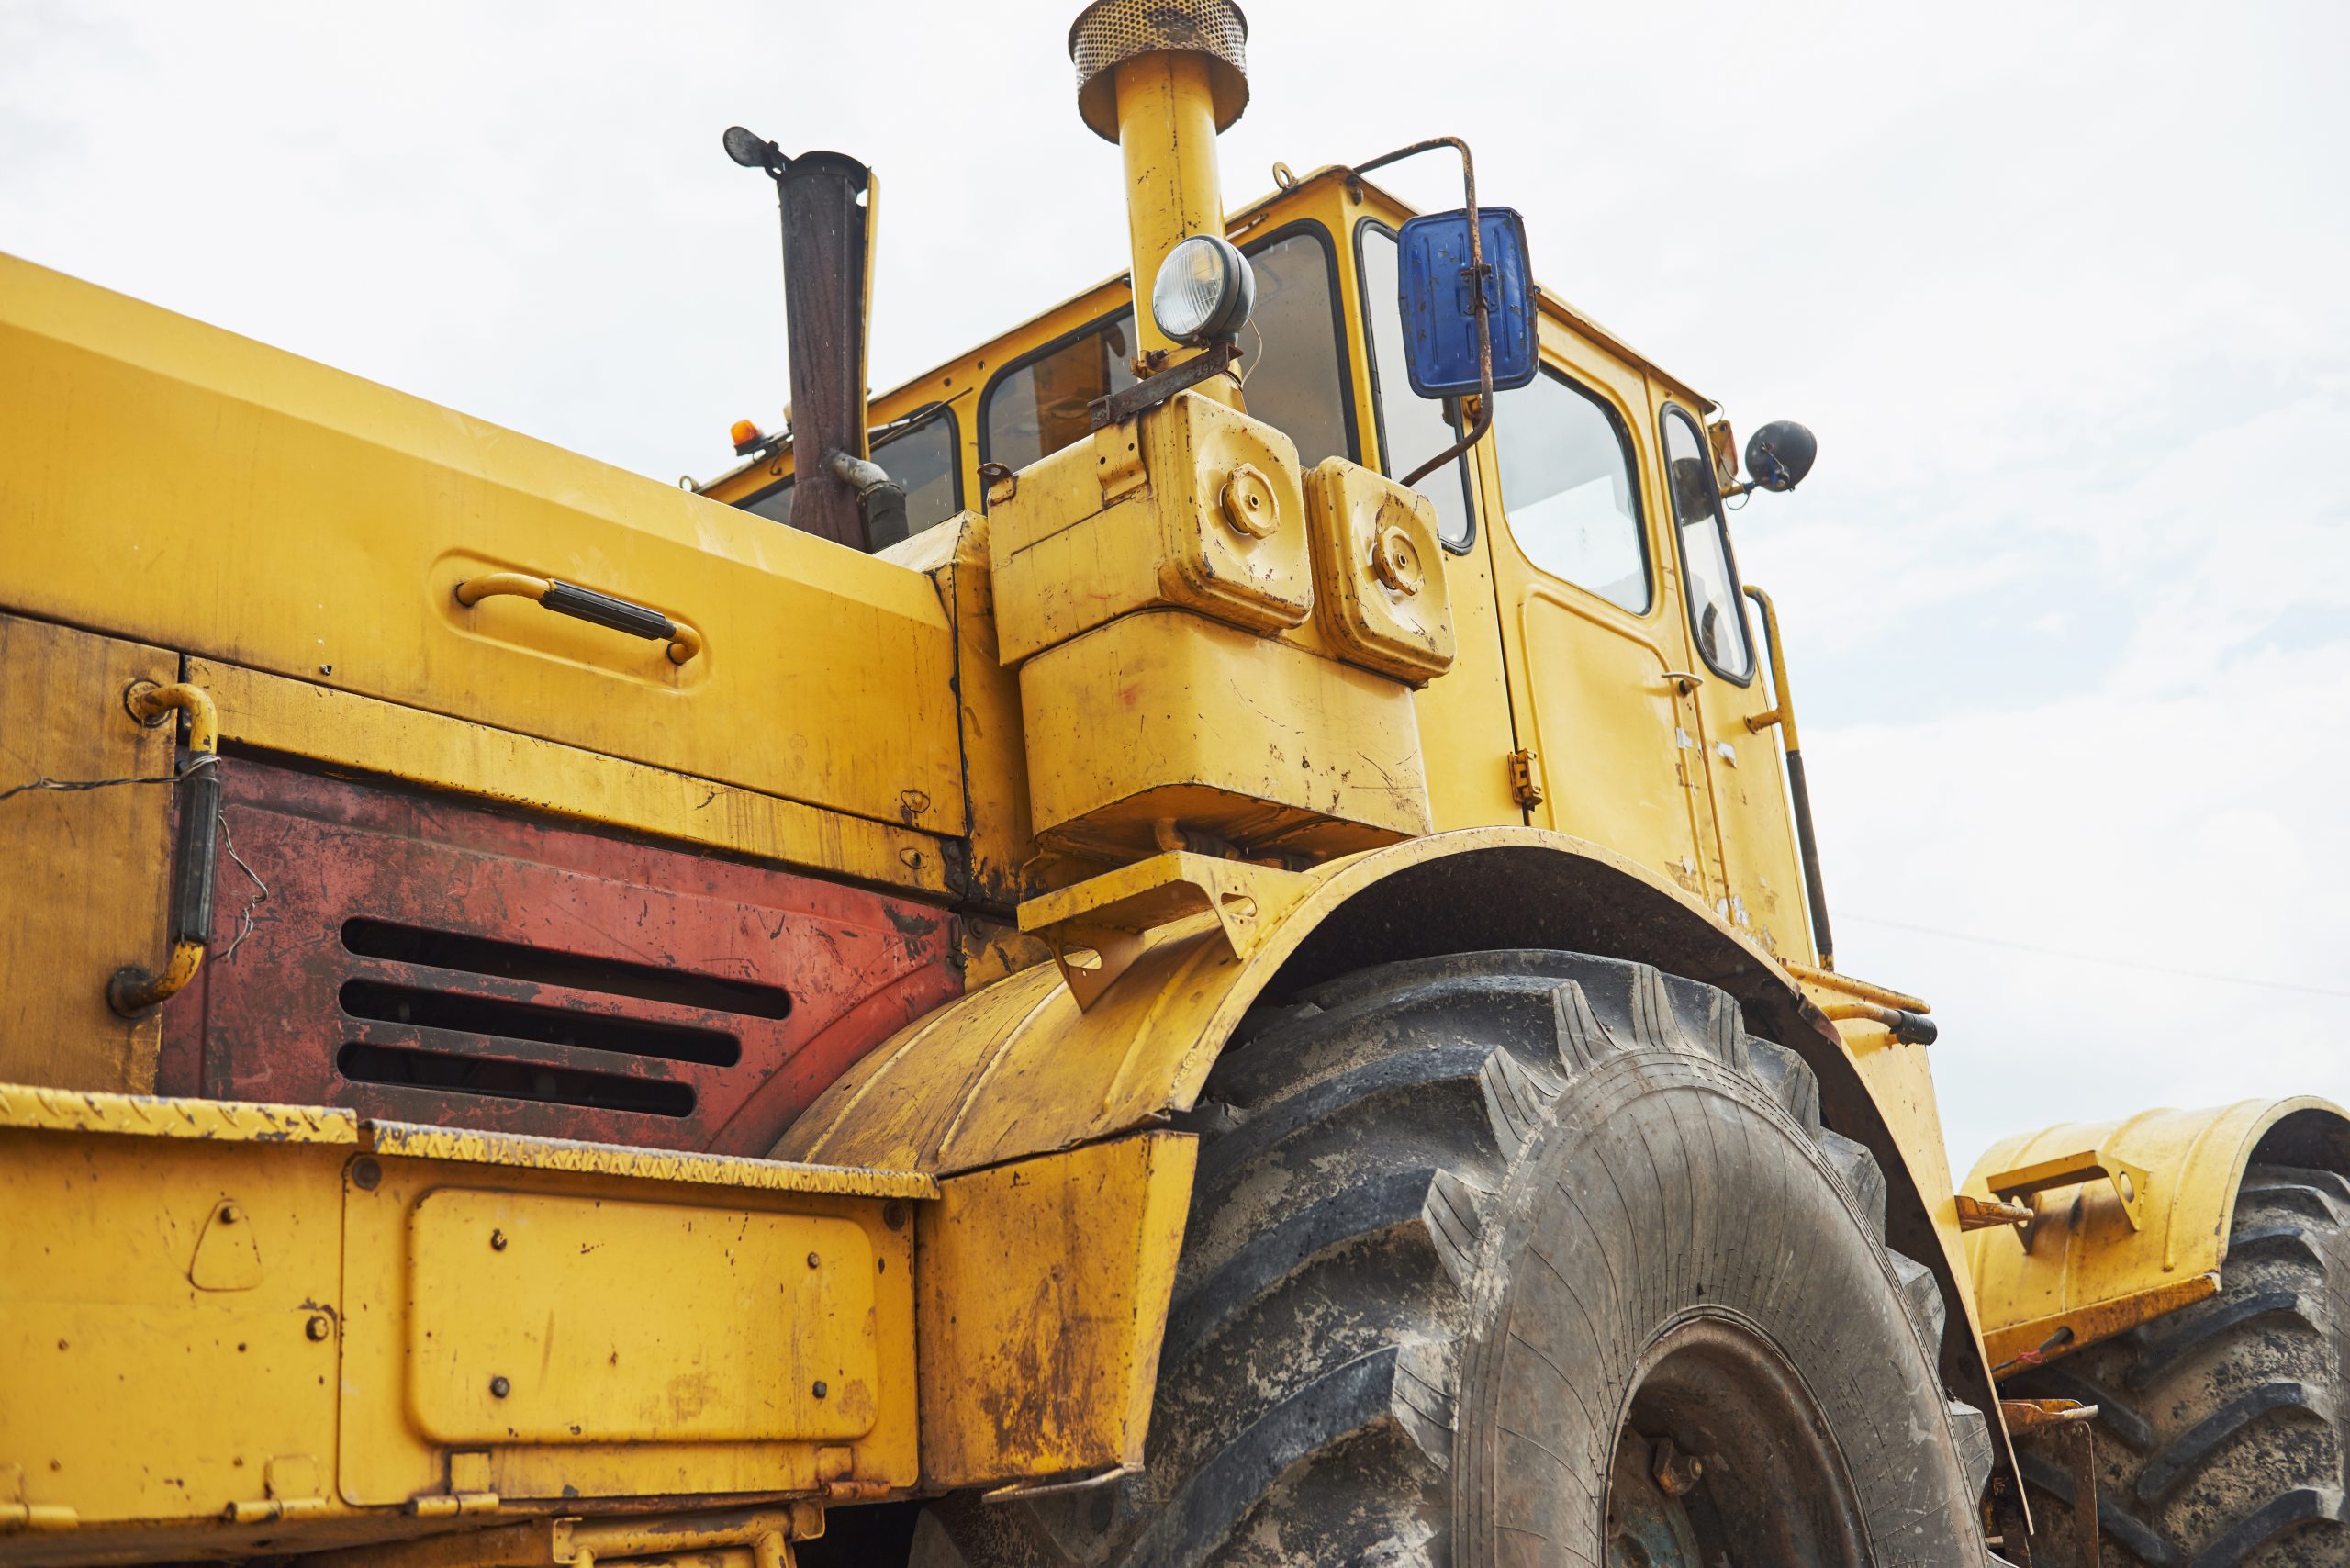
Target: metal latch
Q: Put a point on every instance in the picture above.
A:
(1525, 783)
(1986, 1214)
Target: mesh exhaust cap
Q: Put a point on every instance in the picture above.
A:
(1108, 33)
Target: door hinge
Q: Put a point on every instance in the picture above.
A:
(1525, 784)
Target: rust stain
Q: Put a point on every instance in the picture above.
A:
(432, 960)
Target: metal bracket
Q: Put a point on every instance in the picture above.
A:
(1104, 918)
(2032, 1415)
(2130, 1182)
(1119, 406)
(2069, 1421)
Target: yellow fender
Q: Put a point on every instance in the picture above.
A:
(2129, 1219)
(1021, 1068)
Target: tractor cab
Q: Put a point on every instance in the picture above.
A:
(1604, 632)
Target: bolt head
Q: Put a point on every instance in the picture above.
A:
(317, 1328)
(499, 1388)
(821, 1389)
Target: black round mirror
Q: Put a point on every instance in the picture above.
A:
(749, 150)
(1779, 455)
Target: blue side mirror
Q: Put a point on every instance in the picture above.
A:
(1440, 301)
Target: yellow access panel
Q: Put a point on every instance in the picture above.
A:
(221, 498)
(501, 1348)
(286, 1314)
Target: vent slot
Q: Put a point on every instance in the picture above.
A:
(447, 1073)
(547, 1025)
(541, 966)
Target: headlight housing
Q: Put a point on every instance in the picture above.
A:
(1205, 290)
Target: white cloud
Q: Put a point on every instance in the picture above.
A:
(2059, 289)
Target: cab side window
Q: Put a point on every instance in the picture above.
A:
(1716, 612)
(922, 455)
(926, 458)
(1040, 405)
(1292, 376)
(1568, 491)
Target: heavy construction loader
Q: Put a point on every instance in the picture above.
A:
(1193, 939)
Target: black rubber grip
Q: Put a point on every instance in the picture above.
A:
(1814, 894)
(198, 855)
(586, 604)
(1912, 1030)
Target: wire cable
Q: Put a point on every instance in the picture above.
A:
(2096, 958)
(69, 786)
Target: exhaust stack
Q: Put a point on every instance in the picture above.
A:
(837, 491)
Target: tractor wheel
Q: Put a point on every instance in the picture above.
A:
(2220, 1433)
(1525, 1257)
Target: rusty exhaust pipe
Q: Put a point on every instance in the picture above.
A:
(827, 300)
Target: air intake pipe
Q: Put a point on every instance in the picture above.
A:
(1161, 78)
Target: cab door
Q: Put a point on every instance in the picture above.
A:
(1595, 657)
(1759, 884)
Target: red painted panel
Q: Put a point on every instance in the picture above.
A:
(425, 959)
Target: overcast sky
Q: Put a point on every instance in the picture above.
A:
(2060, 287)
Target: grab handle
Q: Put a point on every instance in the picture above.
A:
(133, 991)
(585, 604)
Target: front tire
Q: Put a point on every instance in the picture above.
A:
(1483, 1250)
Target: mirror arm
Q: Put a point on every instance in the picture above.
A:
(1484, 420)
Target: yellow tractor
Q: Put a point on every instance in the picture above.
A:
(1193, 939)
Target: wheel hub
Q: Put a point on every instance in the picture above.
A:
(1722, 1455)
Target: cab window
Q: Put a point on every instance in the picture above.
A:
(1412, 428)
(1291, 375)
(1714, 614)
(1568, 491)
(775, 502)
(1038, 406)
(926, 458)
(921, 454)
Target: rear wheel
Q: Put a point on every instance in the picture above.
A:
(2220, 1437)
(1525, 1258)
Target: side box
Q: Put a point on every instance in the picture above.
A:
(1189, 506)
(1168, 717)
(1381, 572)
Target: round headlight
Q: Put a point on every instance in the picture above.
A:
(1205, 290)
